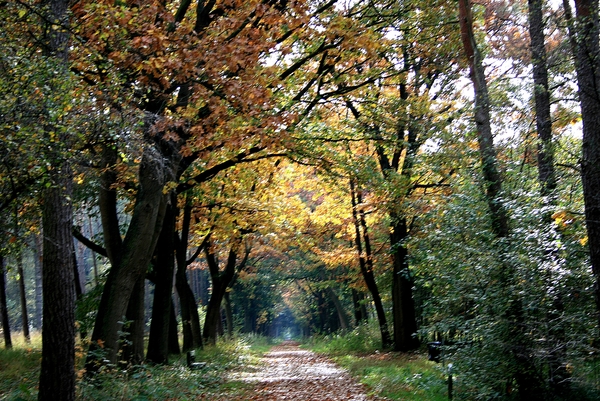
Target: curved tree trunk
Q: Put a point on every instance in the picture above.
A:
(130, 263)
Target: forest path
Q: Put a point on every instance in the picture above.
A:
(290, 373)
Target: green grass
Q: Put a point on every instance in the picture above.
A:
(19, 374)
(394, 376)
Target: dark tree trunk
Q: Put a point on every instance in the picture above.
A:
(228, 314)
(339, 308)
(57, 377)
(557, 353)
(360, 309)
(3, 305)
(190, 320)
(133, 348)
(587, 63)
(220, 283)
(405, 319)
(164, 266)
(543, 120)
(132, 257)
(366, 268)
(174, 348)
(516, 339)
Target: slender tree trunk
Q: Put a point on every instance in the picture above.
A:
(557, 354)
(190, 320)
(360, 309)
(3, 305)
(228, 314)
(543, 120)
(516, 340)
(23, 297)
(37, 256)
(339, 308)
(365, 263)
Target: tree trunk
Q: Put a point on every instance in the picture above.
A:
(190, 320)
(133, 343)
(163, 266)
(37, 256)
(587, 63)
(516, 339)
(3, 305)
(405, 319)
(132, 258)
(220, 282)
(543, 120)
(341, 313)
(366, 268)
(57, 377)
(228, 314)
(360, 310)
(23, 297)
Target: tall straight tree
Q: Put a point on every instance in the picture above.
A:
(57, 376)
(514, 339)
(587, 66)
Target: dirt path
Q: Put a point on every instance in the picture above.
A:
(290, 373)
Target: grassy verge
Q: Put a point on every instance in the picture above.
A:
(19, 374)
(393, 376)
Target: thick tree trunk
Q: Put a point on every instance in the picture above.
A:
(57, 377)
(405, 319)
(164, 266)
(3, 305)
(130, 264)
(133, 343)
(587, 62)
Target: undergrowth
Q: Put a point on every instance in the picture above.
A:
(393, 376)
(19, 375)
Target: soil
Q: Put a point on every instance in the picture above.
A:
(290, 373)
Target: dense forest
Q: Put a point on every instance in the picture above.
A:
(173, 172)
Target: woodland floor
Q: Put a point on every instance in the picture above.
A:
(288, 372)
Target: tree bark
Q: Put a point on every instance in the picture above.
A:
(339, 308)
(516, 339)
(129, 265)
(587, 65)
(543, 120)
(192, 334)
(57, 377)
(405, 319)
(163, 266)
(37, 256)
(366, 268)
(3, 305)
